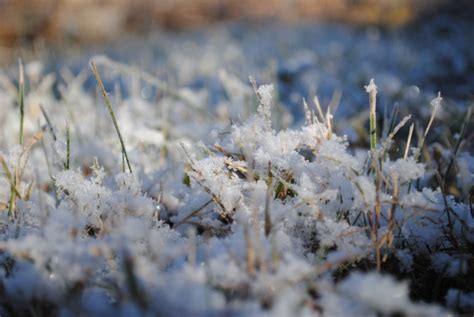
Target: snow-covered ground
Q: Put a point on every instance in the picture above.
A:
(240, 199)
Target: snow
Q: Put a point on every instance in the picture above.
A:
(405, 169)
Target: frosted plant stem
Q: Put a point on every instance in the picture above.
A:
(387, 142)
(436, 103)
(407, 148)
(372, 91)
(112, 114)
(319, 109)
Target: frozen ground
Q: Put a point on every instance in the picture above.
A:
(237, 201)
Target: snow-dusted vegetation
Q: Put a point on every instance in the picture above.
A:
(114, 204)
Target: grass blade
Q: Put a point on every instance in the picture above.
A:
(21, 99)
(112, 114)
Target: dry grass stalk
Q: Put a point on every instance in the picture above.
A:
(407, 147)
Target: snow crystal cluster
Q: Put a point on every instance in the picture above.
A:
(216, 219)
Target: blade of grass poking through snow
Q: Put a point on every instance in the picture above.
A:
(462, 133)
(319, 109)
(329, 122)
(268, 220)
(307, 114)
(112, 115)
(389, 122)
(48, 122)
(387, 142)
(436, 104)
(68, 146)
(371, 89)
(21, 98)
(407, 147)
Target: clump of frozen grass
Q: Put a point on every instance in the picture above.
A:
(252, 221)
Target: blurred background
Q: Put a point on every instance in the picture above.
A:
(413, 48)
(30, 22)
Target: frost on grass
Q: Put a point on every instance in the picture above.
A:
(252, 221)
(371, 88)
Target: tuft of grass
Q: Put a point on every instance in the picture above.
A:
(371, 89)
(112, 115)
(14, 176)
